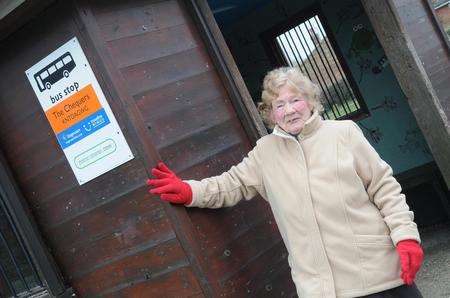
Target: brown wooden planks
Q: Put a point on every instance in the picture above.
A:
(233, 254)
(56, 180)
(168, 69)
(175, 97)
(46, 154)
(25, 107)
(278, 284)
(162, 44)
(170, 129)
(147, 230)
(103, 223)
(111, 216)
(100, 7)
(213, 164)
(74, 202)
(198, 147)
(194, 126)
(137, 49)
(218, 228)
(265, 276)
(143, 266)
(181, 283)
(136, 20)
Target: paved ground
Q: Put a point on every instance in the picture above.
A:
(433, 279)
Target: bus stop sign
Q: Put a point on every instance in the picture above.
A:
(78, 112)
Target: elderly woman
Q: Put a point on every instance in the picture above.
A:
(341, 213)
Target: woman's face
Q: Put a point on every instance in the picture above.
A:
(290, 110)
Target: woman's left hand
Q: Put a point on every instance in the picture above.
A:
(411, 257)
(169, 186)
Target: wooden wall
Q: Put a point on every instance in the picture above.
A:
(430, 44)
(109, 236)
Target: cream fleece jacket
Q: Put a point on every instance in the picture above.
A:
(337, 206)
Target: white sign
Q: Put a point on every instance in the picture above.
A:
(78, 112)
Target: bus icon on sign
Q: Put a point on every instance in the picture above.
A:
(55, 71)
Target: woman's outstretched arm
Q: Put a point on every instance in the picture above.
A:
(243, 180)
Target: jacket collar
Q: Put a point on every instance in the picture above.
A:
(310, 127)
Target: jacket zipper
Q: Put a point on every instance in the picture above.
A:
(317, 230)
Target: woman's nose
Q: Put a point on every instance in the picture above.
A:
(289, 108)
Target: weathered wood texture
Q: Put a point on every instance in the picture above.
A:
(109, 236)
(430, 45)
(103, 234)
(183, 100)
(421, 65)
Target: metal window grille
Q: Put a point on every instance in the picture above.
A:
(307, 46)
(18, 276)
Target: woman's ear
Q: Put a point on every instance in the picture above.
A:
(266, 113)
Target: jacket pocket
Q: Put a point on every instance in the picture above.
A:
(374, 240)
(379, 260)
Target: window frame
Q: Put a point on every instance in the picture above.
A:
(274, 52)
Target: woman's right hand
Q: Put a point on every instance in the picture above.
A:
(169, 186)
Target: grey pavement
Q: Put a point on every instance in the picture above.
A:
(433, 279)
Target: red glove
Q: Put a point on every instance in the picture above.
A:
(169, 186)
(411, 257)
